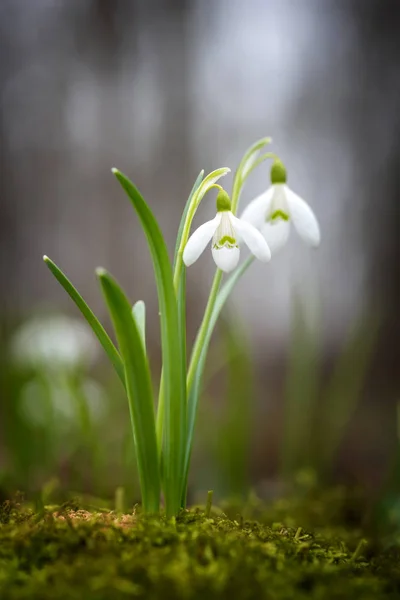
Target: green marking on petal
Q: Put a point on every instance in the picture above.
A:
(279, 214)
(228, 240)
(229, 246)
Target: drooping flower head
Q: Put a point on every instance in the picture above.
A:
(227, 232)
(274, 210)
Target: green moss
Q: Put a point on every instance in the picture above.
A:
(69, 554)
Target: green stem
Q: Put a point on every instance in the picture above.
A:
(160, 415)
(198, 345)
(201, 335)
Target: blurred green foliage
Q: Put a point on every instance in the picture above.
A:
(319, 408)
(68, 428)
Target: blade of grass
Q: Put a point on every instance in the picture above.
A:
(344, 388)
(234, 433)
(301, 394)
(139, 389)
(181, 311)
(173, 375)
(90, 317)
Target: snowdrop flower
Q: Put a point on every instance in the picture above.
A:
(53, 342)
(227, 233)
(273, 211)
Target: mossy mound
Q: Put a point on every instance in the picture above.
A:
(74, 554)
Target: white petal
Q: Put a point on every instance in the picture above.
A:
(276, 234)
(258, 209)
(226, 258)
(252, 238)
(303, 219)
(199, 239)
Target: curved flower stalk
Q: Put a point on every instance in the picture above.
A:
(274, 210)
(227, 232)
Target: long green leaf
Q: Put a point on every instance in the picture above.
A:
(90, 317)
(302, 386)
(234, 433)
(173, 375)
(180, 290)
(345, 386)
(139, 390)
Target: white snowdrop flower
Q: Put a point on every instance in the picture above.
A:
(96, 398)
(272, 212)
(53, 342)
(227, 232)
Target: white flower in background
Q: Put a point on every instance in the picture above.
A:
(273, 211)
(227, 233)
(53, 342)
(52, 402)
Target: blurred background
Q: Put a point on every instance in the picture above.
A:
(303, 372)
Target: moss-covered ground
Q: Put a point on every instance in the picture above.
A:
(65, 553)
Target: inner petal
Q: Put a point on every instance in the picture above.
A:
(226, 258)
(279, 205)
(225, 236)
(276, 233)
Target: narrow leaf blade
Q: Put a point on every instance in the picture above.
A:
(173, 375)
(90, 317)
(138, 387)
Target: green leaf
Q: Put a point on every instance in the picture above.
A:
(139, 390)
(139, 314)
(94, 323)
(345, 386)
(302, 387)
(234, 432)
(173, 374)
(180, 290)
